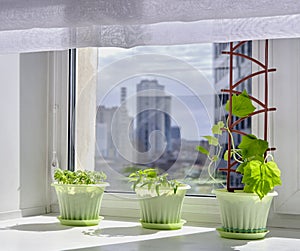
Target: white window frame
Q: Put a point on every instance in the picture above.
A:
(58, 93)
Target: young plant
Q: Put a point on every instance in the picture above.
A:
(260, 176)
(79, 177)
(150, 178)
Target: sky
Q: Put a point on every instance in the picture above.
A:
(184, 70)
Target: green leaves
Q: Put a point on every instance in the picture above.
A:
(252, 147)
(149, 177)
(201, 149)
(260, 177)
(217, 128)
(212, 140)
(78, 177)
(241, 105)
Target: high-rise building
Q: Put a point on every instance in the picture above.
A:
(116, 124)
(153, 134)
(105, 144)
(175, 139)
(122, 129)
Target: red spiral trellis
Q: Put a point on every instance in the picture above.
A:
(264, 107)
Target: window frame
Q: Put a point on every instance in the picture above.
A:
(72, 108)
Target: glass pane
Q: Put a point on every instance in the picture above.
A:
(154, 104)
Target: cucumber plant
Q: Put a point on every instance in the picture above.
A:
(260, 172)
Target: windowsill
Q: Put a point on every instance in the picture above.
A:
(46, 233)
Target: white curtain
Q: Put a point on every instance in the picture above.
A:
(36, 25)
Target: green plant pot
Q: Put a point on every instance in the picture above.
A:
(164, 211)
(243, 213)
(79, 205)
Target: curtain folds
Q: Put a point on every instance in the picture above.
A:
(35, 25)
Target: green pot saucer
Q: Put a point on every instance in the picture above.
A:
(80, 222)
(161, 226)
(241, 236)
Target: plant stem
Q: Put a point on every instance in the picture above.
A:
(233, 147)
(210, 166)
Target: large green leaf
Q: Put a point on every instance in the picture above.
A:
(273, 173)
(240, 168)
(241, 105)
(260, 177)
(253, 147)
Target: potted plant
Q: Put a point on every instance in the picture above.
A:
(79, 196)
(244, 212)
(160, 199)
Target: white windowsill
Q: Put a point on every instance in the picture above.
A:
(46, 233)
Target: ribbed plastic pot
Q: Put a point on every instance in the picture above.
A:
(244, 212)
(163, 211)
(79, 205)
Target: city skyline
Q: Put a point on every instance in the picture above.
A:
(153, 103)
(186, 72)
(187, 104)
(148, 139)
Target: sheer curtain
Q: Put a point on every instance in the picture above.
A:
(36, 25)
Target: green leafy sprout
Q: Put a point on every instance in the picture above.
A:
(151, 179)
(80, 177)
(127, 170)
(260, 176)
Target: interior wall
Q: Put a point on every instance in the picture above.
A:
(23, 134)
(33, 131)
(9, 133)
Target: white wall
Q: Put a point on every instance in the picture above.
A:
(23, 134)
(9, 133)
(33, 130)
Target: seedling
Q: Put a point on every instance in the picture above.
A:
(150, 178)
(79, 177)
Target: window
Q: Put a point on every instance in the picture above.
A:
(152, 106)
